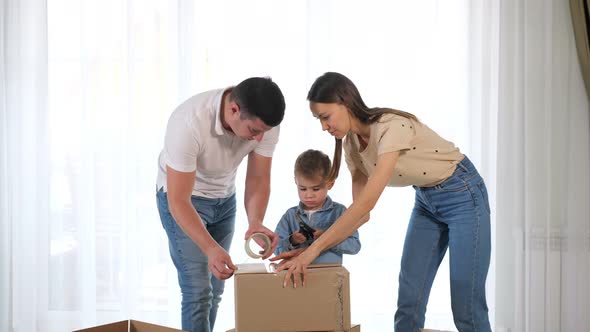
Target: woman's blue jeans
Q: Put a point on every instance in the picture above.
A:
(201, 291)
(456, 215)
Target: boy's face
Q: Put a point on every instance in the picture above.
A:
(312, 192)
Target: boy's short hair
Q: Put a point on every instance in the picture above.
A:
(262, 98)
(312, 163)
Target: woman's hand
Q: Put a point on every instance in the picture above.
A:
(296, 263)
(287, 255)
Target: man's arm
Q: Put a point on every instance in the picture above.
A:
(256, 196)
(180, 187)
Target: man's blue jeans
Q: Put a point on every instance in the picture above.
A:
(456, 215)
(201, 291)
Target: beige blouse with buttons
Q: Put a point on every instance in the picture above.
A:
(425, 159)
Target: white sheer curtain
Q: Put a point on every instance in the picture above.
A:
(543, 159)
(90, 85)
(87, 86)
(24, 159)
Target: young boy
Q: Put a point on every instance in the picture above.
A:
(316, 211)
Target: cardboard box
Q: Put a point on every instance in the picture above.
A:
(355, 328)
(129, 326)
(263, 305)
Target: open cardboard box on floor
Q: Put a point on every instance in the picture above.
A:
(262, 304)
(129, 326)
(355, 328)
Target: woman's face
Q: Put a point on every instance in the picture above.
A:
(334, 118)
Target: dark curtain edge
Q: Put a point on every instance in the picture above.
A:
(581, 24)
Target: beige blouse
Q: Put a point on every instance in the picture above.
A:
(425, 159)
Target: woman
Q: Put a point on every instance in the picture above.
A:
(387, 147)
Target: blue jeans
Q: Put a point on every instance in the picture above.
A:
(201, 291)
(456, 215)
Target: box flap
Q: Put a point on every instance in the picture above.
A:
(249, 268)
(323, 265)
(138, 326)
(121, 326)
(252, 268)
(355, 328)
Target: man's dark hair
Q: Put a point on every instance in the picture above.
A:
(260, 97)
(312, 163)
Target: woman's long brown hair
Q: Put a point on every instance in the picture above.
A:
(334, 87)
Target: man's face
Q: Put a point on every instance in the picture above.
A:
(250, 128)
(245, 126)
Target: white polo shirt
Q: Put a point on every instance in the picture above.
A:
(196, 140)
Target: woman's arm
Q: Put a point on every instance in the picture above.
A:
(352, 218)
(350, 246)
(359, 181)
(348, 223)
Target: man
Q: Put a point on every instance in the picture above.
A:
(206, 139)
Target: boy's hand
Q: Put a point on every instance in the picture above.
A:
(317, 233)
(297, 238)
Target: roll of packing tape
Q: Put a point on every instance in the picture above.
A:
(264, 238)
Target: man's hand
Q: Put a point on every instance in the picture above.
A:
(220, 263)
(274, 239)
